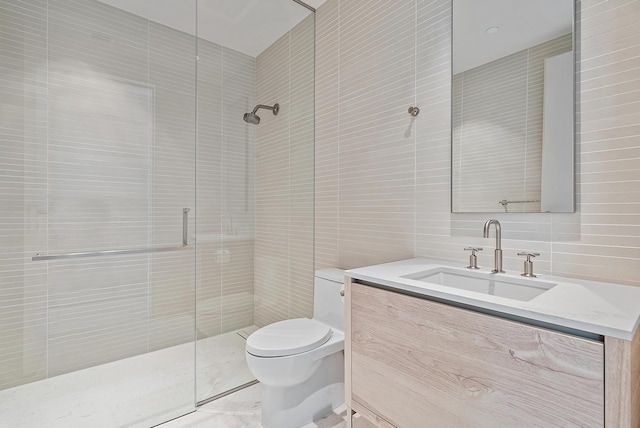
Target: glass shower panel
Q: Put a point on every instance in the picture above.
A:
(240, 190)
(98, 147)
(225, 218)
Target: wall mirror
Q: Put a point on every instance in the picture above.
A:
(513, 106)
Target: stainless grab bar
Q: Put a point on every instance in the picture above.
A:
(109, 253)
(185, 246)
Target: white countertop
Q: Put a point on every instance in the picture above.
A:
(595, 307)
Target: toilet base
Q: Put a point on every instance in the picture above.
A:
(294, 406)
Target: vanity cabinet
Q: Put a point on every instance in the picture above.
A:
(413, 362)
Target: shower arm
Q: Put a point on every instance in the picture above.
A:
(273, 108)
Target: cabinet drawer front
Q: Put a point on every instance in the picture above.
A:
(420, 363)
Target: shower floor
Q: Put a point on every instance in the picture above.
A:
(123, 393)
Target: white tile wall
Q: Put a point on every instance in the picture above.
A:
(327, 159)
(367, 165)
(284, 178)
(365, 135)
(301, 173)
(23, 129)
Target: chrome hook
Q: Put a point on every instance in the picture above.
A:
(414, 111)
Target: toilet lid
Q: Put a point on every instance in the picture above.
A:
(288, 337)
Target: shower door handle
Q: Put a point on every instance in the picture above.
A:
(184, 246)
(185, 226)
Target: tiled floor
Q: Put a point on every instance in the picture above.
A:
(221, 364)
(242, 410)
(135, 389)
(126, 392)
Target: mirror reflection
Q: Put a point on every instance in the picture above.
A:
(512, 106)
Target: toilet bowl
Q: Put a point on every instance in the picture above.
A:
(300, 362)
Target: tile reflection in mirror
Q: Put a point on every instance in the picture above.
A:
(512, 106)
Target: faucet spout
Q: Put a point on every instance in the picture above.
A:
(497, 264)
(487, 226)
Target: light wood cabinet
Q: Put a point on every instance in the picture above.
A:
(415, 363)
(622, 382)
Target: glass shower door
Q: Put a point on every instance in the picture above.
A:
(97, 267)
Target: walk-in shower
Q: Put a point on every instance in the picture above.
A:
(146, 229)
(254, 119)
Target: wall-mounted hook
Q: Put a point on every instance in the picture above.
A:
(413, 111)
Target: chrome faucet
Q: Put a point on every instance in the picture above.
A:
(497, 263)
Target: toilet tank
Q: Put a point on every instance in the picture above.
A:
(328, 305)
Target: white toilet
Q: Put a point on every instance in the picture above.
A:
(300, 362)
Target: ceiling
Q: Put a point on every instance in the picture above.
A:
(521, 23)
(248, 26)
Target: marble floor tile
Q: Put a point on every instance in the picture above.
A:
(199, 419)
(124, 393)
(238, 410)
(221, 363)
(242, 409)
(135, 392)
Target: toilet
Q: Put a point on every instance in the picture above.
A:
(300, 362)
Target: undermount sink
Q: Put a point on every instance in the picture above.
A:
(523, 289)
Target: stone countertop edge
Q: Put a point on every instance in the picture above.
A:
(601, 308)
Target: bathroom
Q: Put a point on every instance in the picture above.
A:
(372, 185)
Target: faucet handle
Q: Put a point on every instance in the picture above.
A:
(528, 264)
(473, 259)
(528, 254)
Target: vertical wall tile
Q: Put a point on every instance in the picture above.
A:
(272, 185)
(23, 212)
(601, 241)
(301, 171)
(327, 129)
(98, 179)
(377, 145)
(435, 232)
(365, 155)
(238, 183)
(285, 178)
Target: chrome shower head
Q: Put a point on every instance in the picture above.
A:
(251, 118)
(254, 119)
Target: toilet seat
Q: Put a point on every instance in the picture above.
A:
(288, 337)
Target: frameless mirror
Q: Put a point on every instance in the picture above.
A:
(513, 106)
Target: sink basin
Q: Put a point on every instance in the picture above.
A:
(523, 289)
